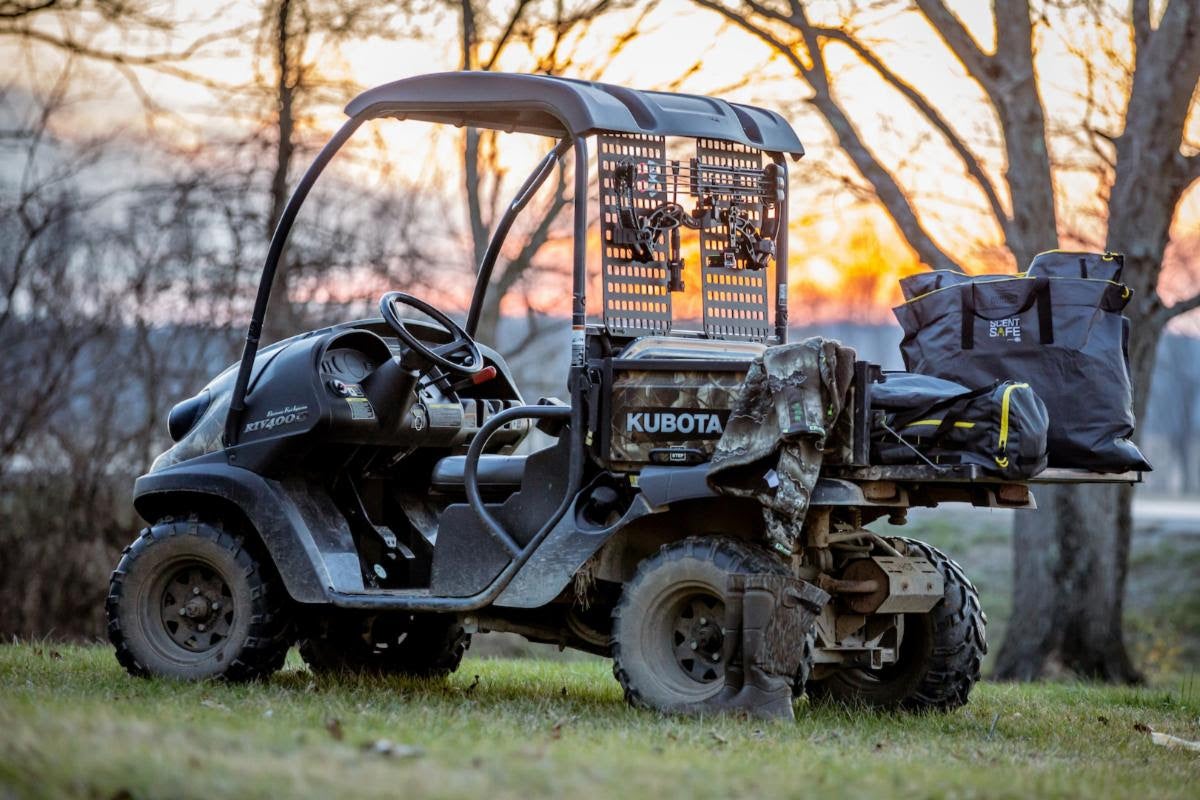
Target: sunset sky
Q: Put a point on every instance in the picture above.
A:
(845, 252)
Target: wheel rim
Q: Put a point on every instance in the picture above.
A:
(683, 640)
(188, 610)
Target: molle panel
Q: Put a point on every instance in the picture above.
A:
(636, 296)
(734, 295)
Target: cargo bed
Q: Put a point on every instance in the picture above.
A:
(928, 484)
(971, 473)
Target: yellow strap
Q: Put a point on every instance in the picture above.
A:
(939, 422)
(1004, 404)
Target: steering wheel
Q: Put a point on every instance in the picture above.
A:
(470, 361)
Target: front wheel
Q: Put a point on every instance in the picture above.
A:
(940, 652)
(189, 601)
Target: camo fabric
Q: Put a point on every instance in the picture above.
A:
(773, 446)
(797, 604)
(665, 409)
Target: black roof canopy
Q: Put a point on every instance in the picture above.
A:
(560, 107)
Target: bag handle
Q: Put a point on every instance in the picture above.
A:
(1039, 294)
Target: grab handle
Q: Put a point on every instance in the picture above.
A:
(1039, 294)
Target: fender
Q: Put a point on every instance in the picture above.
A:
(566, 549)
(662, 486)
(303, 532)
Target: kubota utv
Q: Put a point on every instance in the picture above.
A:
(354, 489)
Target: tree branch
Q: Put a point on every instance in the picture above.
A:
(504, 37)
(762, 34)
(149, 60)
(884, 185)
(541, 234)
(1182, 307)
(956, 36)
(933, 116)
(770, 13)
(1142, 31)
(10, 9)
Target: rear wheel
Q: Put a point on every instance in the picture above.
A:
(429, 645)
(189, 601)
(940, 652)
(667, 627)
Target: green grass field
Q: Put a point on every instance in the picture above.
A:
(72, 724)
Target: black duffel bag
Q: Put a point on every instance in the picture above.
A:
(1065, 337)
(921, 419)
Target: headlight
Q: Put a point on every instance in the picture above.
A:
(185, 414)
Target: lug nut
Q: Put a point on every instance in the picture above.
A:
(201, 627)
(195, 590)
(183, 612)
(704, 620)
(216, 606)
(693, 645)
(716, 656)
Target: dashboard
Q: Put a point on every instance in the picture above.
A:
(372, 400)
(346, 364)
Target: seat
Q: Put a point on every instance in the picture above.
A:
(683, 348)
(497, 474)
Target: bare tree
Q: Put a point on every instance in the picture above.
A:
(487, 28)
(1071, 558)
(90, 356)
(42, 222)
(293, 40)
(123, 264)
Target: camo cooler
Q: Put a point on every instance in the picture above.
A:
(666, 411)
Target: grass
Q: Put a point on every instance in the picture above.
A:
(72, 724)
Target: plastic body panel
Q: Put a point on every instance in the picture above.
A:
(307, 538)
(551, 106)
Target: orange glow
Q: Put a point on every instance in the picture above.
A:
(845, 255)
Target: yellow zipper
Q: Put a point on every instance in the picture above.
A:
(1108, 255)
(939, 422)
(1002, 462)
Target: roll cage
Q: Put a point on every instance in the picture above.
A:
(741, 218)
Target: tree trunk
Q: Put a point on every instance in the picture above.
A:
(1068, 557)
(1079, 541)
(1069, 587)
(282, 321)
(1011, 85)
(1092, 527)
